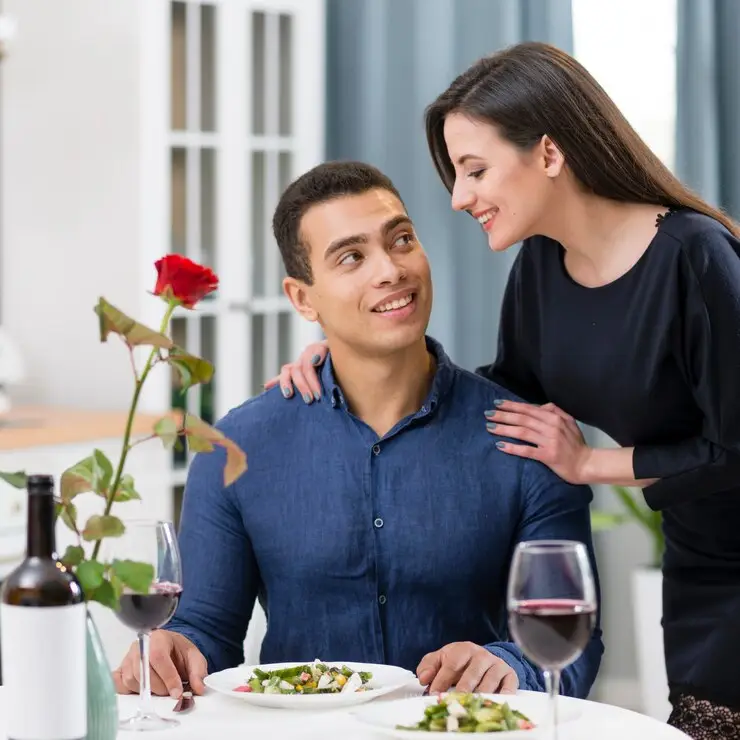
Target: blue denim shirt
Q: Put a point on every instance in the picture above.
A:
(369, 549)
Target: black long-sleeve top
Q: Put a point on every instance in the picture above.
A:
(653, 360)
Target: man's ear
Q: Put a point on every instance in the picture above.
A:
(298, 293)
(553, 158)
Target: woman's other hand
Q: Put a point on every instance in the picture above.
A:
(301, 375)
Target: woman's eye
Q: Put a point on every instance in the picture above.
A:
(476, 174)
(404, 240)
(350, 258)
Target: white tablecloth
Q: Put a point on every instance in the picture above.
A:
(219, 717)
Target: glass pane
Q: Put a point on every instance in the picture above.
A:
(178, 200)
(285, 337)
(178, 63)
(208, 43)
(285, 175)
(258, 223)
(208, 352)
(258, 354)
(177, 397)
(178, 493)
(257, 99)
(286, 76)
(208, 207)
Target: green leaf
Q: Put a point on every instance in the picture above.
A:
(137, 576)
(628, 501)
(166, 429)
(106, 595)
(73, 556)
(68, 513)
(98, 527)
(602, 521)
(202, 437)
(192, 369)
(78, 479)
(17, 480)
(102, 472)
(126, 490)
(113, 321)
(90, 575)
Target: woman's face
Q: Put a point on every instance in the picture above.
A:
(506, 189)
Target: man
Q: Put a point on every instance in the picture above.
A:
(378, 524)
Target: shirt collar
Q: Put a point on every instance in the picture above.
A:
(443, 378)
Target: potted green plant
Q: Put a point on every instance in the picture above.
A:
(647, 596)
(180, 283)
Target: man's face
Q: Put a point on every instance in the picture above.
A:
(372, 288)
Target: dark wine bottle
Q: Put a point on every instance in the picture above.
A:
(43, 634)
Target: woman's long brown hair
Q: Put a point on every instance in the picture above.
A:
(533, 89)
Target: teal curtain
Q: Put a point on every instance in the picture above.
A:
(387, 60)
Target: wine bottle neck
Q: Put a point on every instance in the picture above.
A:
(41, 542)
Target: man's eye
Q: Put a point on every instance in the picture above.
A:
(404, 240)
(350, 258)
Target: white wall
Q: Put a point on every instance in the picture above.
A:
(70, 183)
(629, 46)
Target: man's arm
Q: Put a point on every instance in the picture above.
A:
(220, 572)
(555, 510)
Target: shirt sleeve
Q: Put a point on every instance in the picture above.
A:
(556, 510)
(220, 575)
(513, 367)
(708, 350)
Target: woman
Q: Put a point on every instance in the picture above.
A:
(622, 310)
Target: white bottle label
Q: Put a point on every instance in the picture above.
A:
(44, 654)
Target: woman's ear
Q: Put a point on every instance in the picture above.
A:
(299, 296)
(553, 159)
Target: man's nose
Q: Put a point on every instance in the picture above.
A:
(388, 269)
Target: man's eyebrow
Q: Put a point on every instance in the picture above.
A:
(356, 239)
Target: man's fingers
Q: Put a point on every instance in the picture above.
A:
(118, 682)
(129, 679)
(474, 673)
(197, 668)
(428, 667)
(446, 677)
(165, 678)
(499, 679)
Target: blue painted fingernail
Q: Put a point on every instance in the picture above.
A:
(317, 395)
(490, 426)
(490, 412)
(307, 397)
(287, 392)
(316, 359)
(498, 402)
(500, 445)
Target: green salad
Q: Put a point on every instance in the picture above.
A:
(309, 678)
(455, 712)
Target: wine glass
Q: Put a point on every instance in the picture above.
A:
(552, 607)
(154, 543)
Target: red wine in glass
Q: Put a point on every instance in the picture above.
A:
(552, 632)
(146, 612)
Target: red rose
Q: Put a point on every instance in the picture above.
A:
(181, 278)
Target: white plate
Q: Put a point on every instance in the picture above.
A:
(384, 717)
(386, 678)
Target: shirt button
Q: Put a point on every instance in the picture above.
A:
(424, 409)
(376, 449)
(378, 522)
(382, 599)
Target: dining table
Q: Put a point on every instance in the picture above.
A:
(226, 718)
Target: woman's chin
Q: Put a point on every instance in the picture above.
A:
(498, 244)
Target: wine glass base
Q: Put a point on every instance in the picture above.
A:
(147, 723)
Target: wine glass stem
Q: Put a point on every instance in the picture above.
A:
(552, 684)
(145, 689)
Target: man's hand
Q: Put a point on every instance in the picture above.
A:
(468, 667)
(172, 658)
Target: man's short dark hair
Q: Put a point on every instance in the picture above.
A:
(321, 184)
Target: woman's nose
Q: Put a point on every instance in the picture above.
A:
(462, 197)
